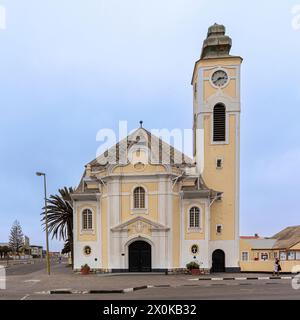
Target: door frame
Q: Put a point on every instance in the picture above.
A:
(130, 241)
(147, 249)
(212, 261)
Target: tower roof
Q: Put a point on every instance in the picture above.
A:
(216, 44)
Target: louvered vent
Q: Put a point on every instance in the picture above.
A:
(219, 123)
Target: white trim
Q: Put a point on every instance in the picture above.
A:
(216, 70)
(219, 225)
(134, 238)
(248, 256)
(138, 210)
(89, 230)
(237, 187)
(226, 127)
(222, 162)
(195, 229)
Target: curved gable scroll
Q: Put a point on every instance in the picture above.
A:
(136, 169)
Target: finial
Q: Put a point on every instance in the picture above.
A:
(141, 124)
(217, 44)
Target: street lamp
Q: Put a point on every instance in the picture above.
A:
(46, 220)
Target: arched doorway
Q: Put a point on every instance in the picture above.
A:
(139, 253)
(218, 261)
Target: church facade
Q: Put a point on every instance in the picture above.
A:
(144, 206)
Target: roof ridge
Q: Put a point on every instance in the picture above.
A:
(184, 158)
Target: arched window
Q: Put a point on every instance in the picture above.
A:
(195, 217)
(219, 123)
(139, 198)
(87, 219)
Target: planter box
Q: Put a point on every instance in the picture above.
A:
(195, 272)
(85, 271)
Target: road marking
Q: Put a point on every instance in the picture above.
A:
(25, 297)
(32, 280)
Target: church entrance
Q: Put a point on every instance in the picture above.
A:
(139, 256)
(218, 261)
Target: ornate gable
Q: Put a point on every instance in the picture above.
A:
(139, 224)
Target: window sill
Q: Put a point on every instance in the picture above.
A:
(87, 231)
(144, 210)
(219, 143)
(194, 230)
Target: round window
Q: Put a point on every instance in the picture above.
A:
(87, 250)
(194, 249)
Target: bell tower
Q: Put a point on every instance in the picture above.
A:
(216, 127)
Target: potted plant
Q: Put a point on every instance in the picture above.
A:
(193, 267)
(85, 269)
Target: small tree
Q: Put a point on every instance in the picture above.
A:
(16, 238)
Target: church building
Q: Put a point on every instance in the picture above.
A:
(144, 206)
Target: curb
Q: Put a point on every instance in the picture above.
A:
(65, 291)
(242, 278)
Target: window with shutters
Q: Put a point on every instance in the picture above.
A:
(219, 119)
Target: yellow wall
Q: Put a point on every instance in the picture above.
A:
(190, 235)
(245, 247)
(267, 266)
(224, 180)
(176, 231)
(295, 247)
(222, 212)
(260, 265)
(86, 236)
(130, 168)
(104, 232)
(126, 202)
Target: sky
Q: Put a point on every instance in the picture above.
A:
(70, 68)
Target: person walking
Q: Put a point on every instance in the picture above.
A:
(277, 267)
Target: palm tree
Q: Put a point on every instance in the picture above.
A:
(60, 216)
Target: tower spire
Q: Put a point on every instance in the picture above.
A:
(217, 44)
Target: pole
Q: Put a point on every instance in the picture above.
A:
(46, 221)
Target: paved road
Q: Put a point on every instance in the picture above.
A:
(23, 269)
(229, 291)
(30, 282)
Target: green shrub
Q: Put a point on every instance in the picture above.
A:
(192, 265)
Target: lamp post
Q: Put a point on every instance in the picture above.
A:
(46, 221)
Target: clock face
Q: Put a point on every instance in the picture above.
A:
(219, 78)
